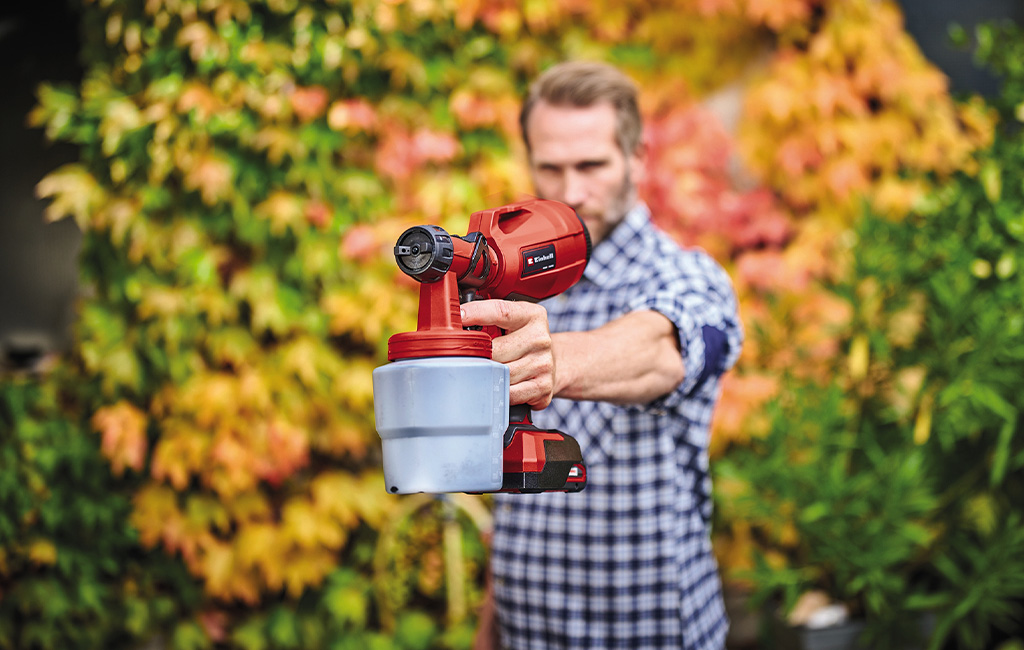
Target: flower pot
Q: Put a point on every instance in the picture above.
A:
(844, 636)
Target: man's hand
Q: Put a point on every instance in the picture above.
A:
(525, 348)
(633, 359)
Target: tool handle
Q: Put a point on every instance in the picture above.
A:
(518, 415)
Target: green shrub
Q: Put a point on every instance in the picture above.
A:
(898, 486)
(72, 573)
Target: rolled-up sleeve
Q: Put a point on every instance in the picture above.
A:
(697, 297)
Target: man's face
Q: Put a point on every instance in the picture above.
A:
(575, 159)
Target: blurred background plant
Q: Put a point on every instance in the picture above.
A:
(200, 468)
(894, 483)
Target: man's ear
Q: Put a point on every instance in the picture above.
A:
(638, 162)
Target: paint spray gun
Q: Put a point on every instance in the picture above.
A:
(442, 404)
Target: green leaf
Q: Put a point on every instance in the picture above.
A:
(1001, 454)
(415, 631)
(190, 636)
(283, 628)
(251, 635)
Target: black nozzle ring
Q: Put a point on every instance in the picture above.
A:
(424, 253)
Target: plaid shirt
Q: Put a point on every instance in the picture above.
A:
(626, 563)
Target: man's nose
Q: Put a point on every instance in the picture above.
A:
(575, 189)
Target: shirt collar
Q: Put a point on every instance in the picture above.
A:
(612, 256)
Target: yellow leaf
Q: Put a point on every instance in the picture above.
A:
(283, 210)
(253, 391)
(260, 289)
(279, 142)
(119, 117)
(180, 452)
(355, 385)
(42, 552)
(75, 193)
(906, 386)
(332, 495)
(218, 568)
(256, 543)
(372, 501)
(859, 357)
(905, 324)
(162, 302)
(206, 512)
(157, 517)
(249, 507)
(202, 40)
(343, 436)
(307, 568)
(981, 511)
(992, 180)
(923, 423)
(300, 522)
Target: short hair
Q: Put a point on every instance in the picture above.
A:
(582, 84)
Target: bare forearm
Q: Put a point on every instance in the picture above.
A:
(631, 360)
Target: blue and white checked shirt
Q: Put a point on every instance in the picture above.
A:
(626, 563)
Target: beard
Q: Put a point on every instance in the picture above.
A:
(622, 201)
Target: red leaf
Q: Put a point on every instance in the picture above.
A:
(309, 103)
(352, 115)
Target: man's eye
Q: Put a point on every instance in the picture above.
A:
(590, 165)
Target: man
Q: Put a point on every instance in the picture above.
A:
(632, 355)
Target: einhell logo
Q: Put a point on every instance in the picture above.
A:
(537, 260)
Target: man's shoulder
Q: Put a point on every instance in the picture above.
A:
(667, 257)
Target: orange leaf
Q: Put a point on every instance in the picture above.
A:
(359, 243)
(215, 623)
(318, 214)
(434, 146)
(232, 465)
(845, 177)
(123, 427)
(309, 103)
(287, 450)
(199, 96)
(212, 176)
(777, 14)
(472, 110)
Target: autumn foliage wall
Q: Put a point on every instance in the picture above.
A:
(244, 169)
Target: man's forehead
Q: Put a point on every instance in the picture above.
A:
(569, 132)
(601, 110)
